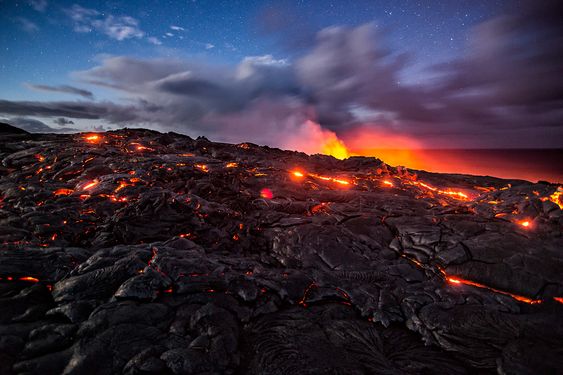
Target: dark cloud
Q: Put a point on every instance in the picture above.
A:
(507, 90)
(110, 112)
(36, 126)
(61, 121)
(62, 88)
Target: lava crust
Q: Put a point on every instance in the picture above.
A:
(138, 252)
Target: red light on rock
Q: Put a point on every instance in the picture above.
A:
(266, 193)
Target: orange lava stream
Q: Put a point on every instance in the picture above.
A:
(458, 280)
(453, 194)
(90, 185)
(324, 178)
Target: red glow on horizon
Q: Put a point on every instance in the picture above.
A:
(397, 149)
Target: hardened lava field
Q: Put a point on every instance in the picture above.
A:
(138, 252)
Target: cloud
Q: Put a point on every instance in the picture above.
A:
(27, 25)
(61, 121)
(118, 28)
(209, 46)
(36, 126)
(113, 113)
(39, 5)
(177, 28)
(154, 40)
(505, 92)
(62, 88)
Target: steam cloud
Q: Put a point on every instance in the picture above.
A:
(506, 91)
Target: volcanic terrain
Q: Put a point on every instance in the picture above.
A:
(139, 252)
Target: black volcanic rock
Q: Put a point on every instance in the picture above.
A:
(9, 129)
(138, 252)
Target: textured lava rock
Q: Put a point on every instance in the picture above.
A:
(137, 252)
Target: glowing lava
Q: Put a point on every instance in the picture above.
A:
(300, 175)
(454, 194)
(525, 223)
(93, 138)
(63, 192)
(557, 197)
(29, 278)
(202, 167)
(90, 185)
(458, 281)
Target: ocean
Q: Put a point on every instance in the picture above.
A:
(526, 164)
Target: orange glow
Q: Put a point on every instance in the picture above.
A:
(29, 278)
(557, 197)
(40, 157)
(388, 183)
(334, 147)
(311, 138)
(90, 185)
(140, 147)
(558, 299)
(324, 178)
(399, 149)
(202, 167)
(122, 185)
(93, 138)
(63, 192)
(458, 281)
(525, 223)
(342, 182)
(232, 165)
(453, 194)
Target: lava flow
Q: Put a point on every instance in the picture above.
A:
(154, 237)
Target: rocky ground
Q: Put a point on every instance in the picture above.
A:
(138, 252)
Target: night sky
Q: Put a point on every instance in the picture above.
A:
(411, 73)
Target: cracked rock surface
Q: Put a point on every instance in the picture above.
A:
(138, 252)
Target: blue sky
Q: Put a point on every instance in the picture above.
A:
(40, 42)
(473, 74)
